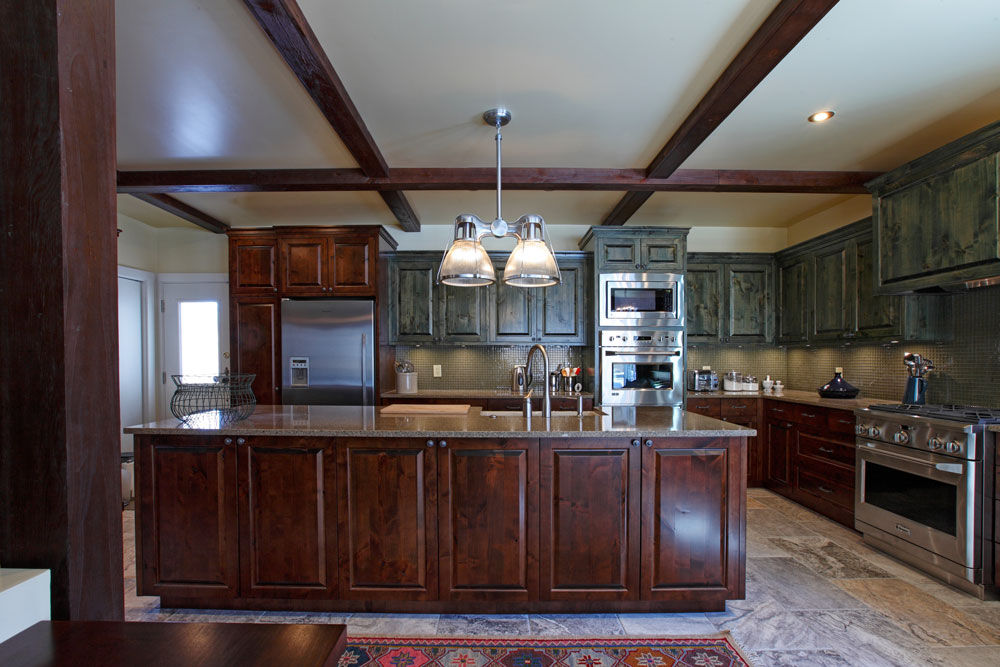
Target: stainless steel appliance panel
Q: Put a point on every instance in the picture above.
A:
(641, 300)
(642, 376)
(337, 338)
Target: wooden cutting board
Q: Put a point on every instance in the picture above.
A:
(425, 409)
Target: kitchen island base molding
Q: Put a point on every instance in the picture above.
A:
(464, 524)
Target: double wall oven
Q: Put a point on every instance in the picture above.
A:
(641, 339)
(921, 488)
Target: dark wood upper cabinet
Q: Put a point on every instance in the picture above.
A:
(387, 521)
(288, 517)
(703, 299)
(253, 264)
(729, 297)
(331, 261)
(750, 301)
(636, 249)
(255, 335)
(833, 299)
(188, 499)
(937, 218)
(488, 519)
(352, 265)
(303, 265)
(411, 301)
(794, 312)
(514, 313)
(562, 308)
(463, 316)
(590, 505)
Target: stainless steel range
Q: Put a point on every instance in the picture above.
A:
(923, 477)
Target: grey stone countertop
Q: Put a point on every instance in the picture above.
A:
(356, 421)
(794, 396)
(994, 427)
(478, 393)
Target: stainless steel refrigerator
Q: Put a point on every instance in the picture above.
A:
(328, 352)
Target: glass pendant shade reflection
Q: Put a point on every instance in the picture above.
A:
(532, 263)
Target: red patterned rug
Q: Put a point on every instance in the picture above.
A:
(711, 651)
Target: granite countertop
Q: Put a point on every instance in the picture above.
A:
(356, 421)
(478, 393)
(795, 396)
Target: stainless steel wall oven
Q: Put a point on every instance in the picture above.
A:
(642, 367)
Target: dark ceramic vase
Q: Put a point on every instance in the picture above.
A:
(838, 387)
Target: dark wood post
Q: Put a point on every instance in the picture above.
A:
(59, 444)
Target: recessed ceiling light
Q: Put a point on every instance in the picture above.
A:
(820, 116)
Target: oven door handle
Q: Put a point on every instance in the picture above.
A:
(946, 472)
(632, 353)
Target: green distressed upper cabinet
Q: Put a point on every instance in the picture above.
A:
(793, 301)
(937, 219)
(632, 249)
(729, 298)
(703, 303)
(833, 303)
(749, 303)
(562, 308)
(513, 311)
(411, 303)
(463, 316)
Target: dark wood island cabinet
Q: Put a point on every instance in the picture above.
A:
(384, 514)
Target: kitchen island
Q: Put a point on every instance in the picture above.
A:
(347, 509)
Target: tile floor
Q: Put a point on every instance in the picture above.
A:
(816, 595)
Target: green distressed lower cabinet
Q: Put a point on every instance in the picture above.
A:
(729, 298)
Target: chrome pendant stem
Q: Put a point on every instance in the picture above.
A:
(499, 138)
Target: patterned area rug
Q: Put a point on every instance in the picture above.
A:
(711, 651)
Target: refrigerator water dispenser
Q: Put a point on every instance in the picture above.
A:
(300, 371)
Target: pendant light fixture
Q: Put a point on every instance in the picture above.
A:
(532, 262)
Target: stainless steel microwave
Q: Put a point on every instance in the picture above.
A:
(641, 300)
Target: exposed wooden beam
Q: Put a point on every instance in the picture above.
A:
(634, 180)
(286, 26)
(182, 210)
(790, 21)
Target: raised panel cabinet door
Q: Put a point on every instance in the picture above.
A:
(589, 512)
(513, 314)
(254, 343)
(463, 314)
(661, 254)
(387, 518)
(187, 511)
(942, 224)
(288, 517)
(488, 519)
(793, 313)
(352, 265)
(303, 265)
(563, 307)
(253, 265)
(412, 299)
(618, 255)
(703, 303)
(878, 316)
(780, 445)
(749, 312)
(688, 528)
(834, 294)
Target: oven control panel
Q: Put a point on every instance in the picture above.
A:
(917, 433)
(623, 338)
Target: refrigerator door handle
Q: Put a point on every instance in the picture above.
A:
(364, 375)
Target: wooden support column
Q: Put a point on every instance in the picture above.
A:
(60, 500)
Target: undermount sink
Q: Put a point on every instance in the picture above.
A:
(538, 413)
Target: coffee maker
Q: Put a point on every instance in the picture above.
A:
(916, 384)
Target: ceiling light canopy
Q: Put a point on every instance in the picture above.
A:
(532, 262)
(821, 116)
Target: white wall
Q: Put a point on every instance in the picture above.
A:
(845, 213)
(170, 249)
(136, 244)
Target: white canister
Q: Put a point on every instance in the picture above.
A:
(406, 383)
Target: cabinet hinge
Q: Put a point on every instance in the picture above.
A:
(163, 380)
(163, 305)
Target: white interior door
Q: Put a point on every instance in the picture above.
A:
(195, 320)
(131, 384)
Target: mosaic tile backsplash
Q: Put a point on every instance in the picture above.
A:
(967, 368)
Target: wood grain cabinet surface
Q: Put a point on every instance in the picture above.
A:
(636, 249)
(253, 263)
(255, 335)
(729, 297)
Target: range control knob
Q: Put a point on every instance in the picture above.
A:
(861, 429)
(874, 431)
(952, 446)
(935, 443)
(902, 437)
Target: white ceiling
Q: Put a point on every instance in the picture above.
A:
(590, 84)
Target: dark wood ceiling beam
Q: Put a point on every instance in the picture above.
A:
(785, 27)
(286, 26)
(632, 180)
(182, 210)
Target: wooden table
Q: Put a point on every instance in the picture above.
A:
(110, 643)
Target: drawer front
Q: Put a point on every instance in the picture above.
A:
(826, 450)
(739, 407)
(512, 403)
(780, 411)
(840, 421)
(812, 417)
(833, 492)
(710, 407)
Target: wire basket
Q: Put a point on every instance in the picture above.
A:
(227, 396)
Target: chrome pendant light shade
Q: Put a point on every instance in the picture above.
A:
(532, 262)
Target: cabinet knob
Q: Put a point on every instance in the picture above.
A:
(228, 441)
(443, 443)
(649, 443)
(241, 441)
(635, 443)
(638, 266)
(430, 443)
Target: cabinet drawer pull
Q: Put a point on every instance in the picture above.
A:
(703, 407)
(737, 407)
(810, 416)
(777, 409)
(824, 489)
(649, 443)
(228, 441)
(826, 450)
(241, 441)
(443, 443)
(635, 443)
(430, 443)
(845, 421)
